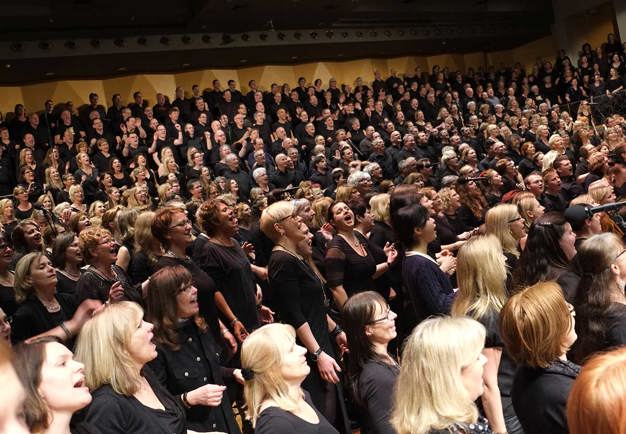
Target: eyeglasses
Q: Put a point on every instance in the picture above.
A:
(516, 219)
(181, 224)
(388, 314)
(619, 254)
(571, 310)
(285, 218)
(109, 241)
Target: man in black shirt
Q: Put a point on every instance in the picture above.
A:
(234, 172)
(138, 105)
(283, 177)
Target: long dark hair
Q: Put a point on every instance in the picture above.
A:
(593, 297)
(161, 304)
(357, 313)
(543, 258)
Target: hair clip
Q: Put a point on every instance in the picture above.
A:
(247, 374)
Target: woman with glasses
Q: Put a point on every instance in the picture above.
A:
(371, 370)
(300, 297)
(538, 329)
(508, 226)
(187, 363)
(102, 279)
(600, 302)
(172, 230)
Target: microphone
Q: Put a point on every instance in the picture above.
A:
(583, 212)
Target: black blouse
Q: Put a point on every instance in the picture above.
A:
(344, 266)
(113, 413)
(7, 300)
(65, 283)
(32, 318)
(93, 285)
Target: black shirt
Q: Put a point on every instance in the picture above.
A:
(274, 420)
(540, 396)
(113, 413)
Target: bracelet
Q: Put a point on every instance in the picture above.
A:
(183, 398)
(316, 355)
(224, 331)
(336, 331)
(66, 330)
(232, 323)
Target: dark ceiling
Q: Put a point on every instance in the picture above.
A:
(53, 39)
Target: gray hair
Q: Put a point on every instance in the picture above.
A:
(356, 177)
(258, 172)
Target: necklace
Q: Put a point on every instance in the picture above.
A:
(171, 254)
(355, 244)
(286, 250)
(51, 306)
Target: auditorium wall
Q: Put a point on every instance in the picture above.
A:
(77, 91)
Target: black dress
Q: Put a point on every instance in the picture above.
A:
(375, 387)
(195, 364)
(32, 318)
(113, 413)
(300, 299)
(344, 266)
(230, 269)
(274, 420)
(65, 283)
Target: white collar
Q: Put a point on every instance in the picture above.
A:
(416, 253)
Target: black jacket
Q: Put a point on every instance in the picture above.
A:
(195, 364)
(540, 395)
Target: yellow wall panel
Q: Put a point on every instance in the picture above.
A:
(9, 97)
(345, 72)
(474, 60)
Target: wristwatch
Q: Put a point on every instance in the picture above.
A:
(316, 355)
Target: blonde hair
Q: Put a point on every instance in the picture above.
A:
(3, 204)
(481, 276)
(320, 207)
(275, 214)
(144, 240)
(343, 193)
(497, 221)
(429, 392)
(262, 353)
(599, 190)
(379, 207)
(103, 347)
(23, 286)
(73, 190)
(526, 202)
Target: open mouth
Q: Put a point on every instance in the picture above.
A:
(80, 383)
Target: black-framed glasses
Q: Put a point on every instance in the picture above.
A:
(388, 314)
(516, 219)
